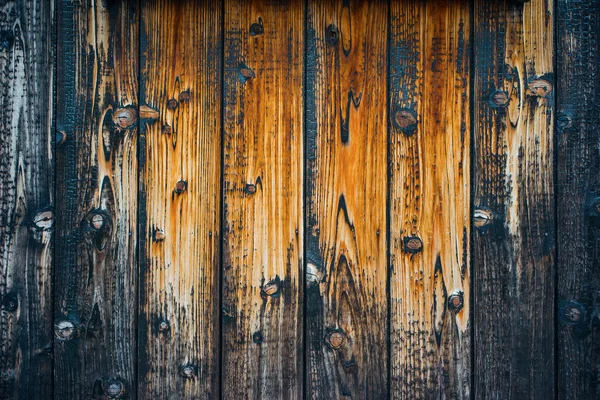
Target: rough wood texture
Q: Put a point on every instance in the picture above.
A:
(513, 210)
(180, 198)
(26, 197)
(578, 198)
(430, 199)
(96, 180)
(262, 195)
(346, 271)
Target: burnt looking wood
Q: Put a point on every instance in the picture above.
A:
(299, 199)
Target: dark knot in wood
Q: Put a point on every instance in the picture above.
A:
(246, 73)
(188, 370)
(172, 104)
(250, 188)
(499, 98)
(571, 313)
(271, 288)
(482, 217)
(10, 302)
(159, 235)
(455, 301)
(257, 337)
(97, 221)
(180, 187)
(406, 121)
(43, 220)
(163, 326)
(115, 389)
(64, 330)
(184, 96)
(413, 244)
(540, 87)
(335, 338)
(256, 29)
(563, 121)
(167, 129)
(125, 118)
(332, 35)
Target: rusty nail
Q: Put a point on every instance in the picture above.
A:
(44, 220)
(540, 87)
(256, 29)
(271, 288)
(413, 244)
(167, 129)
(184, 96)
(163, 326)
(125, 117)
(499, 98)
(406, 121)
(64, 330)
(10, 302)
(335, 338)
(332, 34)
(172, 104)
(455, 300)
(247, 73)
(115, 389)
(61, 137)
(180, 187)
(97, 221)
(148, 113)
(257, 337)
(482, 217)
(188, 370)
(250, 188)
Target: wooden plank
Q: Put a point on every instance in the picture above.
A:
(346, 272)
(430, 199)
(578, 198)
(262, 195)
(26, 198)
(513, 210)
(96, 181)
(180, 194)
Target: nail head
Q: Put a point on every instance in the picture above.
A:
(125, 117)
(64, 330)
(455, 300)
(406, 121)
(180, 187)
(413, 244)
(256, 29)
(540, 87)
(335, 338)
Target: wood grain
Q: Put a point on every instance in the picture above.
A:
(430, 199)
(513, 183)
(180, 156)
(578, 198)
(95, 303)
(26, 198)
(346, 272)
(263, 196)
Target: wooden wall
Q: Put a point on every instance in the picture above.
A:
(300, 199)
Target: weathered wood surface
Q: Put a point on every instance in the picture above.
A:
(26, 198)
(96, 208)
(346, 183)
(513, 210)
(578, 198)
(180, 157)
(263, 200)
(430, 199)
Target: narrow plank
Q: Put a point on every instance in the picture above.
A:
(263, 197)
(578, 198)
(96, 180)
(430, 199)
(180, 194)
(346, 270)
(26, 198)
(513, 210)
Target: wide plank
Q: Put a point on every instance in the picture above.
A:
(263, 200)
(514, 209)
(346, 190)
(180, 196)
(95, 302)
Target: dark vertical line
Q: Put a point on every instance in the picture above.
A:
(555, 194)
(138, 224)
(305, 206)
(472, 155)
(388, 202)
(220, 267)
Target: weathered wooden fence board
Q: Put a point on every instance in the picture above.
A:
(26, 198)
(578, 198)
(263, 200)
(180, 110)
(430, 199)
(346, 271)
(96, 179)
(513, 183)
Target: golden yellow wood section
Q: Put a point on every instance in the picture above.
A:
(263, 179)
(346, 100)
(181, 103)
(429, 214)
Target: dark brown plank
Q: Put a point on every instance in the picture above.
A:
(430, 199)
(578, 198)
(180, 194)
(513, 210)
(262, 196)
(96, 181)
(26, 198)
(346, 272)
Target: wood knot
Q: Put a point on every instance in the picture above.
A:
(172, 104)
(180, 187)
(64, 330)
(455, 301)
(148, 113)
(406, 121)
(271, 288)
(159, 235)
(314, 276)
(482, 217)
(61, 137)
(571, 313)
(413, 244)
(250, 188)
(163, 326)
(245, 73)
(335, 338)
(563, 121)
(540, 87)
(184, 96)
(97, 221)
(257, 337)
(115, 389)
(10, 302)
(499, 98)
(332, 35)
(188, 370)
(43, 220)
(257, 28)
(124, 118)
(166, 129)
